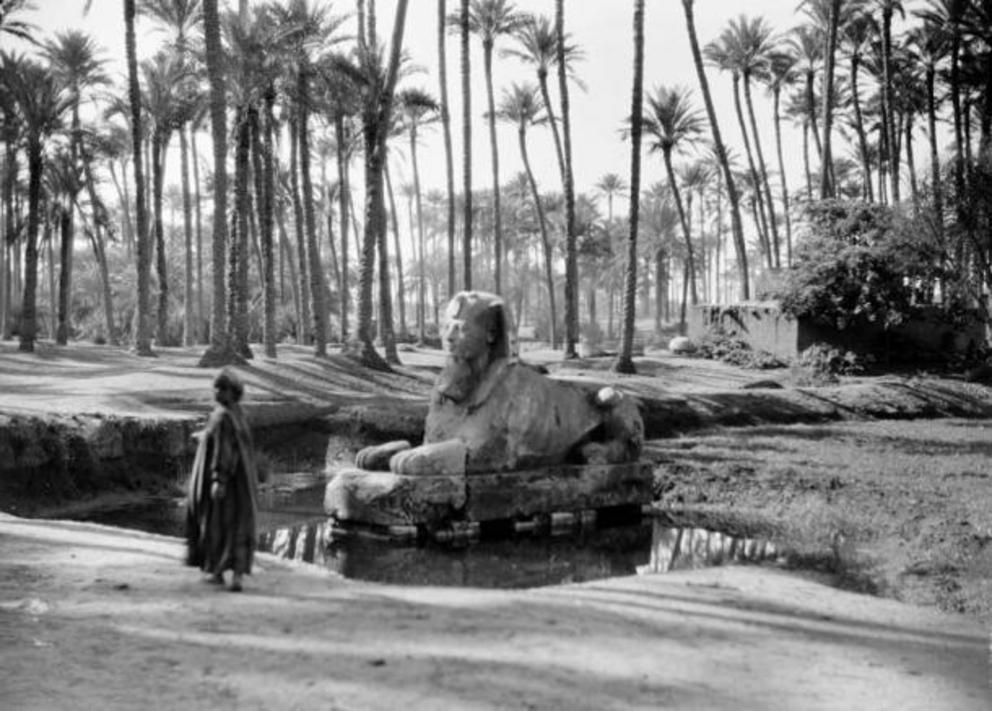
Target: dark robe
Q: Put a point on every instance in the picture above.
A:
(220, 535)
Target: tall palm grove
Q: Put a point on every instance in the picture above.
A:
(244, 186)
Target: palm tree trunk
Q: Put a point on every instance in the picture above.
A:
(684, 222)
(66, 233)
(448, 153)
(316, 271)
(294, 281)
(887, 102)
(625, 361)
(100, 251)
(911, 162)
(571, 250)
(29, 326)
(763, 184)
(376, 120)
(266, 189)
(421, 280)
(238, 253)
(545, 241)
(10, 177)
(189, 327)
(859, 126)
(466, 149)
(781, 173)
(48, 240)
(100, 254)
(487, 55)
(935, 178)
(755, 176)
(159, 144)
(400, 281)
(386, 332)
(827, 187)
(302, 336)
(143, 339)
(811, 111)
(199, 332)
(343, 190)
(721, 152)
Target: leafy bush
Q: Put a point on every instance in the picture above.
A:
(822, 364)
(858, 263)
(717, 344)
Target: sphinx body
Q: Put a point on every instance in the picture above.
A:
(489, 412)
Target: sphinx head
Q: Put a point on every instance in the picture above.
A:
(476, 335)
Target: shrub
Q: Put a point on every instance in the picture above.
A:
(858, 263)
(822, 364)
(717, 344)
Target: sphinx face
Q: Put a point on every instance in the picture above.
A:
(468, 339)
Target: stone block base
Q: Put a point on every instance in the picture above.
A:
(387, 499)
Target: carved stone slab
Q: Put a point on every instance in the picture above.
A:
(388, 499)
(557, 488)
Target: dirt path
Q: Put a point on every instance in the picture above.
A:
(95, 617)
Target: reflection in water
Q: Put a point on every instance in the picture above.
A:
(516, 562)
(687, 548)
(292, 527)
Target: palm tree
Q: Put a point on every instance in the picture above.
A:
(538, 46)
(780, 74)
(931, 44)
(312, 26)
(806, 45)
(732, 53)
(949, 15)
(673, 124)
(40, 106)
(825, 16)
(721, 151)
(857, 35)
(448, 154)
(466, 67)
(11, 130)
(377, 118)
(490, 19)
(181, 18)
(341, 97)
(74, 60)
(888, 8)
(415, 105)
(220, 351)
(521, 105)
(13, 27)
(571, 252)
(625, 361)
(164, 104)
(143, 338)
(693, 179)
(610, 185)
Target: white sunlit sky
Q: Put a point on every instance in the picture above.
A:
(601, 28)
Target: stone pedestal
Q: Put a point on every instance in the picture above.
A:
(388, 499)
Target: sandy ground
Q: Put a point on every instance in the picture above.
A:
(97, 617)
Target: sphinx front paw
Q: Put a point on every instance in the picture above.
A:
(377, 456)
(436, 459)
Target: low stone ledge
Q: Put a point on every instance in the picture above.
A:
(388, 499)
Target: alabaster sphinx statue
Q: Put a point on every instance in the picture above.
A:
(491, 412)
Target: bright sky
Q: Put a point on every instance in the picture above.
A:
(603, 30)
